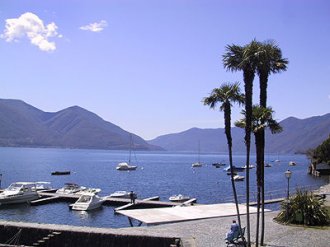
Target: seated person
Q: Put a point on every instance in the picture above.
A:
(234, 231)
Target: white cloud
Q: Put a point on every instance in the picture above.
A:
(95, 27)
(31, 26)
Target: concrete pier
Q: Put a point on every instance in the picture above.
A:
(152, 202)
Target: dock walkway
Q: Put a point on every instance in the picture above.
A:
(48, 197)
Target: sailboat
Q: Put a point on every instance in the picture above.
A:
(126, 166)
(197, 164)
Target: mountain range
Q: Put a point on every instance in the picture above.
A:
(298, 135)
(22, 125)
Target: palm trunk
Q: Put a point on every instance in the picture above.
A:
(263, 78)
(248, 86)
(227, 116)
(260, 165)
(262, 173)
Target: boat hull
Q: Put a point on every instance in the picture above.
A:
(18, 199)
(85, 207)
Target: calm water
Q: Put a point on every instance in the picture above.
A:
(159, 174)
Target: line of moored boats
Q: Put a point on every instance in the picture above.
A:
(25, 192)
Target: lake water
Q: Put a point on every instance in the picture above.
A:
(159, 174)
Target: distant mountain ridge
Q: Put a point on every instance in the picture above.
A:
(298, 136)
(22, 125)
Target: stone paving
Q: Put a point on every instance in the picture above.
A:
(211, 232)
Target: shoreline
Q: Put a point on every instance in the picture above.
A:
(207, 232)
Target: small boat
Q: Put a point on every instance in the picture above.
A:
(124, 166)
(268, 165)
(197, 164)
(179, 198)
(250, 166)
(87, 201)
(57, 173)
(235, 169)
(292, 163)
(218, 165)
(19, 192)
(70, 188)
(238, 178)
(121, 194)
(43, 185)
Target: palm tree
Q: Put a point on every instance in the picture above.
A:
(268, 60)
(261, 119)
(227, 94)
(241, 58)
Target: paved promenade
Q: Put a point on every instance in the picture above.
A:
(211, 232)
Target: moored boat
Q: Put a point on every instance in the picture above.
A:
(87, 201)
(124, 166)
(89, 190)
(179, 198)
(292, 163)
(218, 165)
(121, 194)
(235, 169)
(43, 185)
(250, 166)
(70, 188)
(19, 192)
(238, 178)
(197, 164)
(57, 173)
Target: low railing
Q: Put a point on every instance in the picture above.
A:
(270, 195)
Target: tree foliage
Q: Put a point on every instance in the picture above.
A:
(322, 152)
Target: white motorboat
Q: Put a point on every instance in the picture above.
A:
(70, 188)
(124, 166)
(235, 169)
(43, 186)
(19, 192)
(292, 163)
(238, 178)
(250, 166)
(121, 194)
(197, 164)
(179, 198)
(87, 201)
(88, 190)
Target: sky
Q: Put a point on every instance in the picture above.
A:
(146, 65)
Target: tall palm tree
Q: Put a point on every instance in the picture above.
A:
(241, 58)
(261, 119)
(268, 60)
(226, 95)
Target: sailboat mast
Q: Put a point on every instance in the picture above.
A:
(130, 149)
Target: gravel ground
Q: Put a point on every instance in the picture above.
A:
(211, 232)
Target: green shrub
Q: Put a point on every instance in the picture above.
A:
(304, 208)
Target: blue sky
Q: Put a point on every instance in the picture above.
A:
(146, 65)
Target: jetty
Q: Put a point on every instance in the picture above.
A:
(152, 202)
